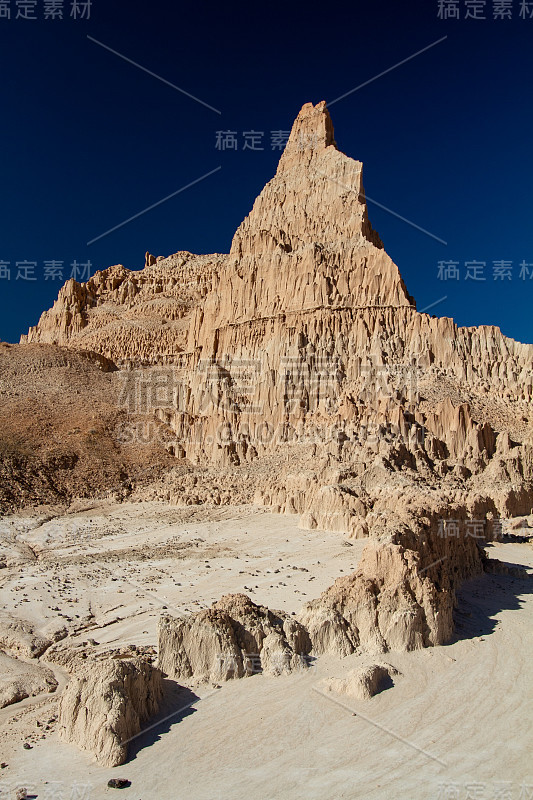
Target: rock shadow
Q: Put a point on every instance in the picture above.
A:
(387, 682)
(175, 707)
(480, 599)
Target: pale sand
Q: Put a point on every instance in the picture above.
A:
(467, 705)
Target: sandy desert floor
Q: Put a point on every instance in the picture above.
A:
(455, 724)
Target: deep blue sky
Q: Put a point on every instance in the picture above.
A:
(89, 140)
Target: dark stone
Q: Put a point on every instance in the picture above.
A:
(118, 783)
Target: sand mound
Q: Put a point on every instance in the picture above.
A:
(19, 636)
(363, 683)
(19, 680)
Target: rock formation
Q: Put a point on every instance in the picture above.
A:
(303, 333)
(296, 370)
(362, 683)
(232, 639)
(106, 702)
(402, 595)
(149, 260)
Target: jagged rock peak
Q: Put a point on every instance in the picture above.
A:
(311, 132)
(315, 198)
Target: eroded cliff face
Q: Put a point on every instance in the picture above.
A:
(303, 341)
(305, 323)
(294, 372)
(130, 317)
(298, 366)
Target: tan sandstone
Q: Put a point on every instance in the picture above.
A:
(105, 703)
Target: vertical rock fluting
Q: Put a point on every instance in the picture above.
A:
(303, 332)
(232, 639)
(402, 595)
(105, 703)
(305, 335)
(306, 282)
